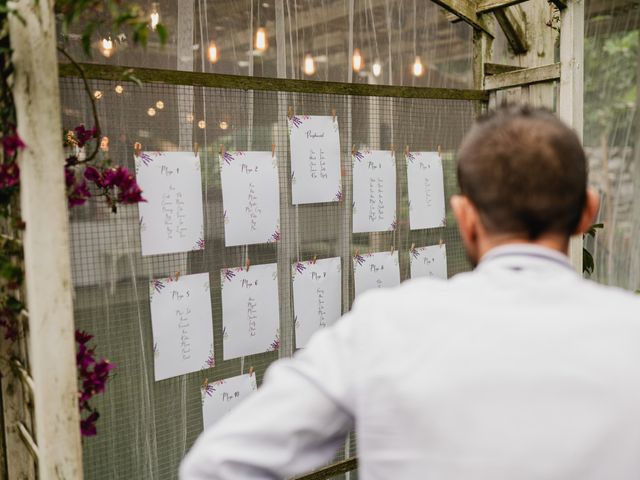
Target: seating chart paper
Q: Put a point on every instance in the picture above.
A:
(182, 325)
(317, 296)
(171, 219)
(374, 191)
(429, 261)
(250, 310)
(315, 159)
(222, 396)
(376, 270)
(426, 190)
(251, 197)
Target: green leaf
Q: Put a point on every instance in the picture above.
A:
(163, 35)
(587, 262)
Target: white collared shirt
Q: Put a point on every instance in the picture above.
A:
(518, 370)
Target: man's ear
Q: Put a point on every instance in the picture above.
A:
(466, 216)
(589, 213)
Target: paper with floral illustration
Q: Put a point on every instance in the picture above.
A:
(317, 296)
(374, 191)
(315, 159)
(222, 396)
(426, 190)
(429, 261)
(171, 219)
(182, 325)
(250, 197)
(375, 270)
(250, 310)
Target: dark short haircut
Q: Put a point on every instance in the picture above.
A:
(525, 171)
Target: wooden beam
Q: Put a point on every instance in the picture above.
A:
(561, 4)
(486, 6)
(512, 30)
(466, 10)
(497, 68)
(526, 76)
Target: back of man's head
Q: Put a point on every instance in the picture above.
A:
(525, 172)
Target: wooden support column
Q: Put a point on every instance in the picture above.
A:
(46, 241)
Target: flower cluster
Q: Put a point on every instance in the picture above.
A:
(93, 375)
(9, 170)
(116, 184)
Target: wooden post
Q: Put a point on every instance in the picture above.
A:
(46, 241)
(571, 108)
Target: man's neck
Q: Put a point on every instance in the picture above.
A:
(558, 243)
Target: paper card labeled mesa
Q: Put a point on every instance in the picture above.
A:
(429, 261)
(426, 190)
(250, 310)
(182, 325)
(317, 296)
(315, 159)
(251, 198)
(171, 219)
(376, 270)
(374, 191)
(222, 396)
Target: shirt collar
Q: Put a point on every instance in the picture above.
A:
(526, 252)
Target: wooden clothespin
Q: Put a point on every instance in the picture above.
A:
(357, 253)
(205, 384)
(441, 241)
(222, 149)
(413, 247)
(315, 258)
(273, 150)
(137, 149)
(196, 148)
(393, 150)
(247, 263)
(290, 112)
(177, 276)
(439, 151)
(333, 114)
(393, 249)
(250, 370)
(406, 150)
(353, 150)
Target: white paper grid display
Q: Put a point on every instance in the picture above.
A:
(219, 398)
(374, 191)
(317, 296)
(429, 261)
(171, 219)
(315, 159)
(425, 180)
(376, 270)
(251, 197)
(250, 310)
(182, 325)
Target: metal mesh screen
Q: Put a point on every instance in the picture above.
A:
(145, 426)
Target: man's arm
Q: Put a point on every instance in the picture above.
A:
(294, 423)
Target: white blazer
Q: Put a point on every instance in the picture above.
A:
(518, 370)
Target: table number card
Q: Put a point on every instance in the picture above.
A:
(376, 270)
(317, 296)
(171, 219)
(429, 261)
(222, 396)
(374, 191)
(182, 325)
(250, 310)
(251, 197)
(426, 190)
(315, 159)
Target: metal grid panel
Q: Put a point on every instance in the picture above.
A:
(145, 426)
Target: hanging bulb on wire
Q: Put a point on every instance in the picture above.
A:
(376, 69)
(357, 60)
(309, 67)
(155, 16)
(418, 68)
(106, 47)
(213, 52)
(262, 41)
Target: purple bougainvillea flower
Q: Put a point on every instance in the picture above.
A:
(11, 144)
(88, 425)
(93, 175)
(83, 135)
(83, 337)
(9, 175)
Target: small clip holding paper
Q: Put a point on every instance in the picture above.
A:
(393, 151)
(357, 254)
(393, 249)
(333, 114)
(250, 371)
(439, 151)
(196, 148)
(205, 384)
(247, 263)
(273, 150)
(177, 276)
(413, 247)
(222, 149)
(315, 258)
(290, 112)
(406, 151)
(137, 149)
(353, 150)
(441, 241)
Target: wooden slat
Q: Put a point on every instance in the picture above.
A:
(496, 68)
(466, 10)
(527, 76)
(512, 30)
(486, 6)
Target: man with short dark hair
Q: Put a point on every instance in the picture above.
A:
(518, 370)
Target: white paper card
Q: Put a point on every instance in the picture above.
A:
(251, 197)
(250, 310)
(315, 159)
(429, 261)
(219, 398)
(171, 219)
(374, 191)
(426, 190)
(182, 325)
(376, 270)
(317, 296)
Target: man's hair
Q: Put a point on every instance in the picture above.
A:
(525, 171)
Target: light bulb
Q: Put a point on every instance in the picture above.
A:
(376, 68)
(309, 65)
(106, 47)
(223, 125)
(104, 144)
(202, 124)
(151, 112)
(418, 69)
(358, 61)
(97, 94)
(119, 89)
(213, 52)
(159, 104)
(262, 43)
(189, 117)
(155, 16)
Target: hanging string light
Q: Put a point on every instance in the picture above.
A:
(213, 52)
(106, 47)
(119, 89)
(262, 41)
(223, 125)
(202, 124)
(309, 67)
(418, 68)
(151, 112)
(357, 61)
(376, 68)
(154, 16)
(159, 104)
